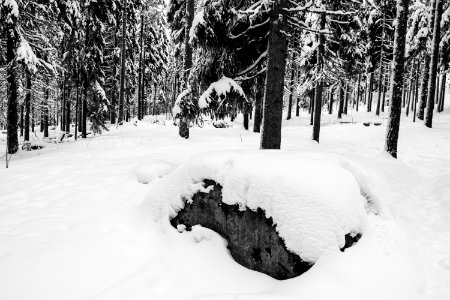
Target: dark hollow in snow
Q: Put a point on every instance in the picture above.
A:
(252, 237)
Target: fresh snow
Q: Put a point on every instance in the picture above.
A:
(74, 222)
(221, 87)
(288, 186)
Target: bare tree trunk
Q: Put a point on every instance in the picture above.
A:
(341, 101)
(140, 106)
(434, 63)
(312, 97)
(12, 140)
(123, 60)
(398, 65)
(330, 108)
(27, 107)
(291, 83)
(319, 88)
(358, 92)
(276, 65)
(190, 9)
(442, 96)
(46, 111)
(259, 97)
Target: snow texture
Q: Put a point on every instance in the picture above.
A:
(288, 187)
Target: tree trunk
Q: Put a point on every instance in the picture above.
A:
(21, 120)
(330, 108)
(341, 101)
(276, 64)
(77, 107)
(84, 109)
(259, 95)
(358, 92)
(319, 89)
(347, 92)
(68, 121)
(12, 140)
(123, 60)
(27, 107)
(190, 10)
(369, 93)
(291, 83)
(442, 96)
(46, 111)
(312, 95)
(434, 62)
(398, 66)
(140, 106)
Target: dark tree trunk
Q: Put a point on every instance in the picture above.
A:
(312, 101)
(63, 103)
(416, 92)
(442, 96)
(434, 63)
(291, 83)
(276, 64)
(12, 140)
(424, 88)
(358, 92)
(68, 120)
(398, 64)
(21, 120)
(77, 106)
(330, 108)
(140, 106)
(84, 109)
(27, 107)
(347, 93)
(341, 101)
(319, 89)
(47, 96)
(259, 96)
(122, 64)
(190, 10)
(369, 93)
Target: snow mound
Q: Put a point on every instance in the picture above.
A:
(149, 171)
(312, 199)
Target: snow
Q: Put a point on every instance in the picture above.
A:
(311, 220)
(14, 10)
(26, 55)
(149, 171)
(198, 19)
(74, 223)
(221, 87)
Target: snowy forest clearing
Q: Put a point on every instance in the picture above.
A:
(74, 225)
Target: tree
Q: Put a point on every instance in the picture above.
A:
(434, 62)
(396, 88)
(276, 64)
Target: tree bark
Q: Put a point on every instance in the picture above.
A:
(434, 63)
(183, 130)
(276, 64)
(27, 107)
(259, 95)
(319, 88)
(291, 83)
(341, 101)
(358, 92)
(140, 106)
(398, 67)
(442, 96)
(12, 140)
(123, 60)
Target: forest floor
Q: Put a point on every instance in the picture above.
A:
(72, 224)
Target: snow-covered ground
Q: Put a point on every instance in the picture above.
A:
(74, 223)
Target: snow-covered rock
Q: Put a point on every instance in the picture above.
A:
(313, 200)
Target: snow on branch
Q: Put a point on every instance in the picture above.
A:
(221, 88)
(26, 56)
